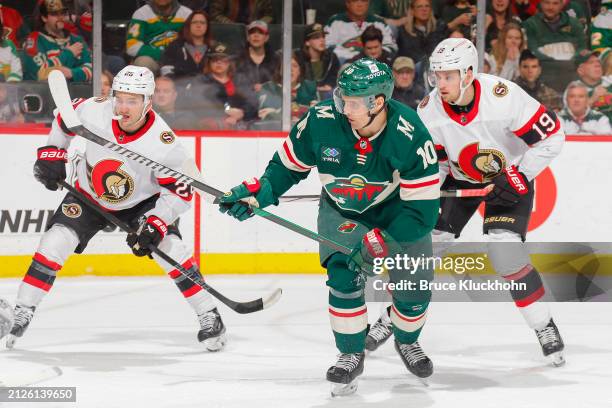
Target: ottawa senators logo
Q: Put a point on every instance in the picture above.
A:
(480, 165)
(100, 99)
(109, 182)
(72, 210)
(500, 90)
(167, 137)
(424, 102)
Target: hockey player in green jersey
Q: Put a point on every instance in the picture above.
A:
(379, 171)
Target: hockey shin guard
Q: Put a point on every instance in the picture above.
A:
(347, 310)
(199, 299)
(54, 248)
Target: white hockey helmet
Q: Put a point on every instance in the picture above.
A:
(136, 80)
(454, 54)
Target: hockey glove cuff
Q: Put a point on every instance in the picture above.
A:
(508, 188)
(50, 166)
(257, 193)
(151, 232)
(375, 243)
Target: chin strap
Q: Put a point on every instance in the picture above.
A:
(373, 116)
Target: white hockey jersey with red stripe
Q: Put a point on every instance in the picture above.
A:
(116, 182)
(504, 127)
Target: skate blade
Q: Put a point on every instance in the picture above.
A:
(10, 341)
(342, 390)
(214, 344)
(557, 359)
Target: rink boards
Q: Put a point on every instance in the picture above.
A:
(572, 205)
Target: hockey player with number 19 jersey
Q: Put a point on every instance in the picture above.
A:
(489, 132)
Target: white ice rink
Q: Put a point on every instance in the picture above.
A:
(131, 342)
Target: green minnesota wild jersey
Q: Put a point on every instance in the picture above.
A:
(360, 175)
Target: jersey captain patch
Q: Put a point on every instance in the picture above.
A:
(480, 165)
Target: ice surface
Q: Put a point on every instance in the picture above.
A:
(131, 342)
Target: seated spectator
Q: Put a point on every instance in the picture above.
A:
(418, 37)
(529, 79)
(164, 103)
(525, 8)
(185, 56)
(606, 63)
(243, 12)
(344, 30)
(406, 90)
(552, 34)
(9, 107)
(12, 22)
(464, 9)
(214, 96)
(577, 117)
(499, 13)
(54, 48)
(257, 62)
(106, 83)
(303, 94)
(507, 51)
(316, 62)
(590, 72)
(601, 28)
(371, 38)
(152, 28)
(10, 64)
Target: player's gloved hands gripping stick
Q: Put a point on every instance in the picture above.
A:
(508, 188)
(250, 193)
(151, 232)
(375, 243)
(50, 166)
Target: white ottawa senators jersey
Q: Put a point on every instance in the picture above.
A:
(504, 127)
(116, 182)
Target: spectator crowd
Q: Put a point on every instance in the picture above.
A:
(218, 63)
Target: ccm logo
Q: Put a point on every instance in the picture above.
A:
(516, 180)
(53, 154)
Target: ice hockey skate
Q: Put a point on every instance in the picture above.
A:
(343, 375)
(380, 331)
(415, 359)
(552, 344)
(212, 332)
(23, 317)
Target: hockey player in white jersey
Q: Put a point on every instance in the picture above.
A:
(489, 132)
(149, 202)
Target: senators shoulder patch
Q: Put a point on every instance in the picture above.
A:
(72, 210)
(167, 137)
(424, 102)
(500, 90)
(101, 99)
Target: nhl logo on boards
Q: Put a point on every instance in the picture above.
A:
(167, 137)
(72, 210)
(347, 227)
(500, 90)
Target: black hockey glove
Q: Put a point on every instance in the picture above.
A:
(508, 187)
(50, 166)
(151, 232)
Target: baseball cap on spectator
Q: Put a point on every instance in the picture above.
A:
(313, 30)
(584, 56)
(219, 50)
(258, 25)
(401, 63)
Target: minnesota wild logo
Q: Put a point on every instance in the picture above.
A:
(347, 227)
(355, 193)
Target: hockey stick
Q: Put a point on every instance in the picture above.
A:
(61, 97)
(239, 307)
(461, 193)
